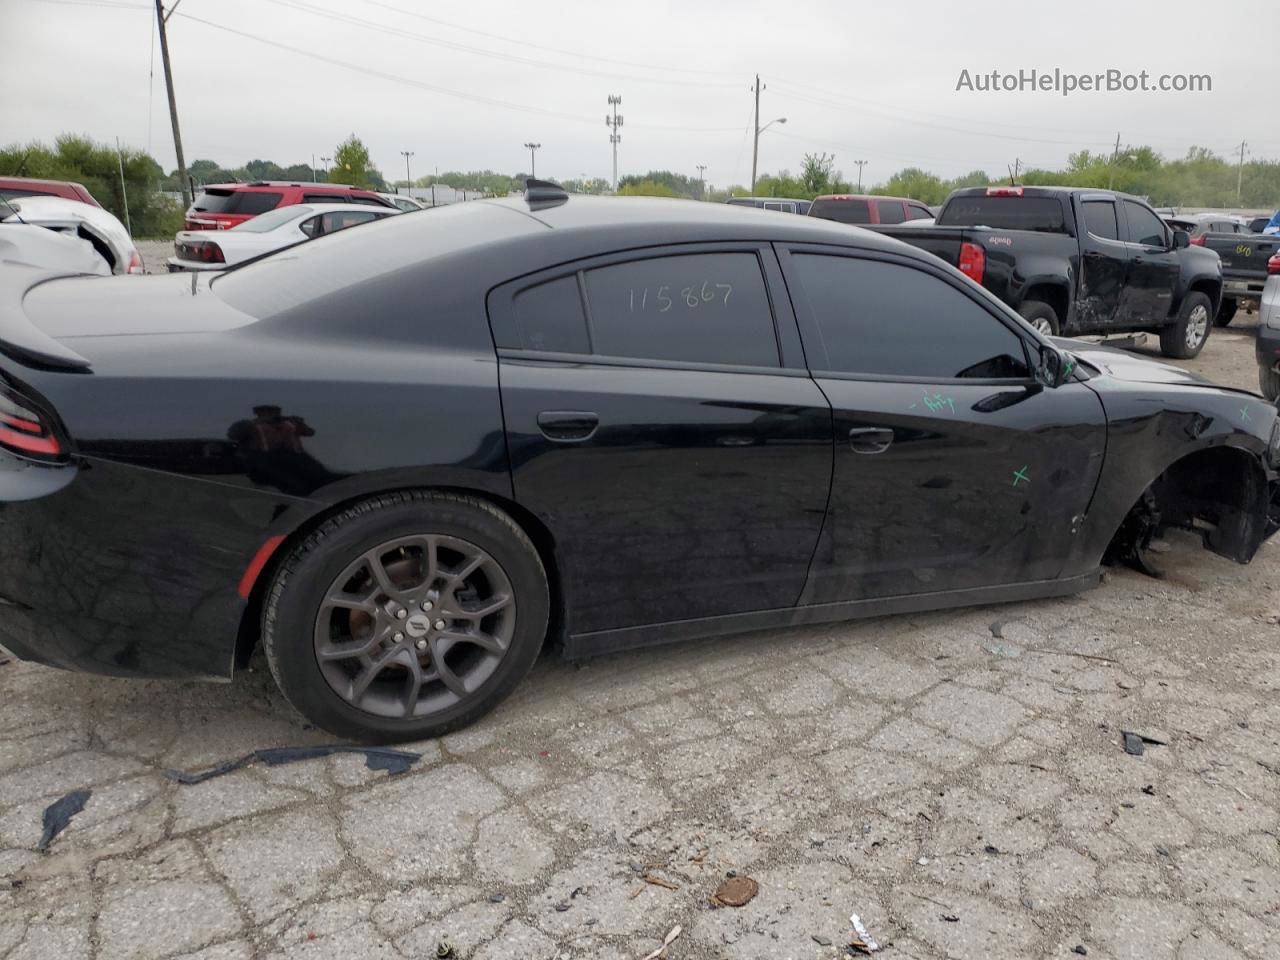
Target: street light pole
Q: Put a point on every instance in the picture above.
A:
(533, 159)
(861, 164)
(408, 180)
(702, 187)
(613, 123)
(755, 143)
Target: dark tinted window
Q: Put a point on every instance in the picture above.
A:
(842, 211)
(310, 226)
(370, 201)
(886, 319)
(1100, 218)
(325, 198)
(918, 213)
(890, 211)
(251, 202)
(1042, 214)
(704, 308)
(340, 220)
(1144, 226)
(549, 317)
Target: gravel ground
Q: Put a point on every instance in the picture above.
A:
(956, 779)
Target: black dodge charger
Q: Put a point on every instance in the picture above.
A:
(404, 457)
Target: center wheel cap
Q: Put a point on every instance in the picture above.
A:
(418, 625)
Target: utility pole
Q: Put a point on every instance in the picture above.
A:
(408, 180)
(861, 164)
(702, 186)
(1115, 155)
(161, 17)
(124, 194)
(533, 158)
(313, 168)
(1240, 171)
(1013, 172)
(613, 123)
(755, 142)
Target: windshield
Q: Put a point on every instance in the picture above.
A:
(1041, 214)
(272, 219)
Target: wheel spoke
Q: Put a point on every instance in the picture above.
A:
(467, 569)
(351, 651)
(485, 641)
(444, 671)
(413, 684)
(374, 561)
(360, 682)
(490, 606)
(351, 601)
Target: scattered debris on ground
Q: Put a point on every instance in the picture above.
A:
(659, 882)
(864, 942)
(1135, 744)
(444, 950)
(375, 758)
(661, 952)
(736, 891)
(59, 813)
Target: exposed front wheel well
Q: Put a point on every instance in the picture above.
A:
(1052, 294)
(249, 633)
(1211, 289)
(1220, 493)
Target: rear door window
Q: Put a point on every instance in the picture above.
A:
(252, 202)
(1100, 219)
(550, 317)
(842, 211)
(694, 308)
(918, 213)
(890, 211)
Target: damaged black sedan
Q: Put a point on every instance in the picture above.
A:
(402, 459)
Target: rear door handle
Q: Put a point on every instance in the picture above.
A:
(568, 426)
(870, 439)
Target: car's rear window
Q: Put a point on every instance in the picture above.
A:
(842, 211)
(252, 202)
(300, 276)
(1041, 214)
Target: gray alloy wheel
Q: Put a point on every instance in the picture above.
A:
(1042, 317)
(1185, 337)
(414, 625)
(1269, 382)
(406, 615)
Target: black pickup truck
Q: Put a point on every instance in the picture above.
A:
(1075, 261)
(1244, 267)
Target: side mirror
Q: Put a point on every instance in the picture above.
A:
(1181, 239)
(1055, 366)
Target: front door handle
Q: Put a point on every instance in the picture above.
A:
(568, 426)
(870, 439)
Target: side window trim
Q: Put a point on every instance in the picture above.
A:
(815, 347)
(500, 304)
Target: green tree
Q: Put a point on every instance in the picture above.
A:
(351, 165)
(645, 188)
(678, 184)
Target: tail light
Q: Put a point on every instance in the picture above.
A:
(1004, 191)
(973, 261)
(26, 431)
(135, 264)
(1273, 265)
(205, 251)
(1198, 241)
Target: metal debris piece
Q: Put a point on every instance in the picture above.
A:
(950, 918)
(59, 813)
(1135, 743)
(375, 758)
(736, 891)
(670, 938)
(444, 949)
(868, 942)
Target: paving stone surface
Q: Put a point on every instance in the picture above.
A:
(966, 795)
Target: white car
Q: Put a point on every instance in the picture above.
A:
(66, 235)
(403, 203)
(266, 233)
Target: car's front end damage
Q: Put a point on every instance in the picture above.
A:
(1181, 453)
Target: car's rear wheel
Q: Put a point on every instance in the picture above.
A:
(1041, 316)
(1226, 311)
(1269, 382)
(406, 616)
(1186, 336)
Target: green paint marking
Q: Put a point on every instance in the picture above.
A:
(1244, 414)
(1021, 475)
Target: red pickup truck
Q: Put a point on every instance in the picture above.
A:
(13, 188)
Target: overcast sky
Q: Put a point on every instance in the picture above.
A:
(464, 85)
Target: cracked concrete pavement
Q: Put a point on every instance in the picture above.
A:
(966, 794)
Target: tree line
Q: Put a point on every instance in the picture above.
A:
(1201, 178)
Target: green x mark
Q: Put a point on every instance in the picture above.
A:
(1020, 475)
(1244, 414)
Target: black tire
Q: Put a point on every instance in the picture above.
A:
(1176, 339)
(1226, 311)
(1041, 316)
(293, 608)
(1269, 382)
